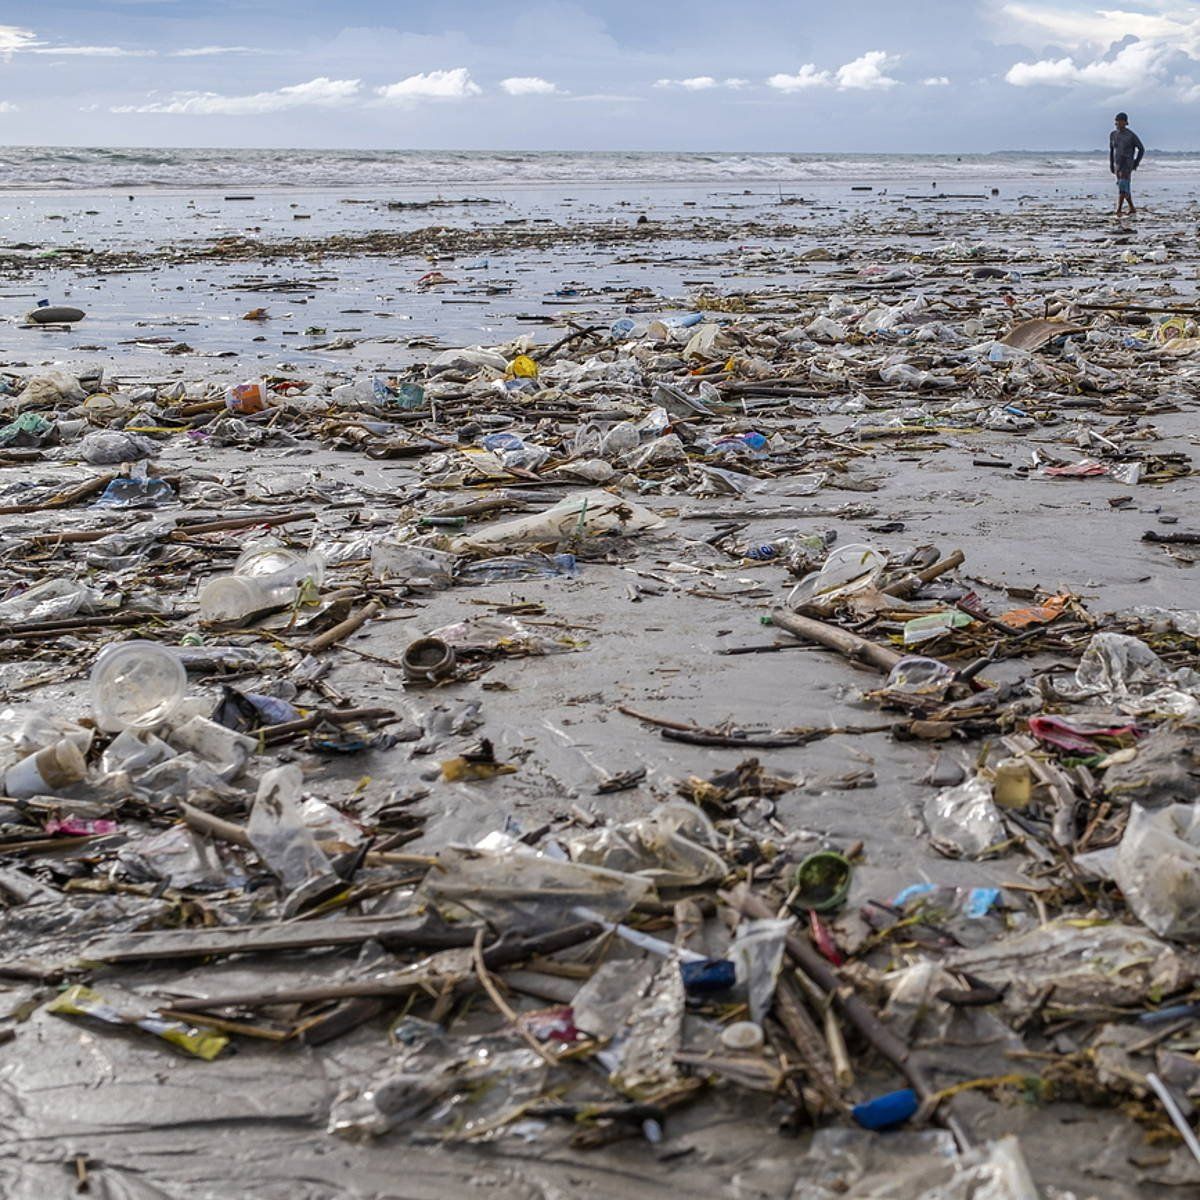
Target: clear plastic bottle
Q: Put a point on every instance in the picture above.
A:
(264, 578)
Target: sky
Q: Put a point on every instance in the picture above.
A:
(939, 76)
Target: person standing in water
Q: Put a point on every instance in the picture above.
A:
(1125, 151)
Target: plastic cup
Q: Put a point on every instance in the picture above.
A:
(136, 685)
(46, 772)
(234, 598)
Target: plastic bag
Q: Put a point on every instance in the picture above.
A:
(757, 953)
(672, 847)
(501, 635)
(507, 882)
(277, 831)
(415, 566)
(963, 821)
(50, 600)
(1123, 670)
(108, 447)
(583, 515)
(1157, 867)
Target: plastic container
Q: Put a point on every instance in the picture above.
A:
(47, 772)
(264, 578)
(136, 685)
(234, 598)
(822, 881)
(742, 1035)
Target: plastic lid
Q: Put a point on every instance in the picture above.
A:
(742, 1035)
(136, 685)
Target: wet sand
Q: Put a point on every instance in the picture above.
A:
(252, 1124)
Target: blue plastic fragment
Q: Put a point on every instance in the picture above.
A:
(887, 1111)
(708, 975)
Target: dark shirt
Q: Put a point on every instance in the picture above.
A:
(1125, 150)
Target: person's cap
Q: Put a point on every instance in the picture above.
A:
(1121, 117)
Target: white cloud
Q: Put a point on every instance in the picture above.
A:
(455, 84)
(1136, 65)
(7, 106)
(868, 72)
(1086, 26)
(215, 51)
(12, 37)
(807, 77)
(316, 93)
(92, 51)
(936, 81)
(702, 83)
(530, 85)
(613, 96)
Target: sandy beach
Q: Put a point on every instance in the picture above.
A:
(853, 323)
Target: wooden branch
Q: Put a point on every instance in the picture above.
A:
(855, 648)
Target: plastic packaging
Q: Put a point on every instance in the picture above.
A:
(136, 493)
(247, 398)
(757, 953)
(963, 821)
(847, 570)
(279, 836)
(136, 685)
(47, 772)
(583, 515)
(81, 1001)
(1157, 867)
(887, 1111)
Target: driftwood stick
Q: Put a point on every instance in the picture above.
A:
(501, 953)
(807, 1039)
(910, 583)
(856, 648)
(342, 629)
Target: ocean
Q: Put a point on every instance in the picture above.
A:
(84, 168)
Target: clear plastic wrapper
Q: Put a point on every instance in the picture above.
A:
(757, 953)
(279, 835)
(1157, 867)
(513, 883)
(963, 821)
(671, 847)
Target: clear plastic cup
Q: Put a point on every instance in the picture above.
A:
(234, 597)
(258, 562)
(136, 685)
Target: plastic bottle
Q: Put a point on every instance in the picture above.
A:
(136, 685)
(264, 578)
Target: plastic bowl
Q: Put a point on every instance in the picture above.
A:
(823, 881)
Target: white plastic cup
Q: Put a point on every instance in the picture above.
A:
(136, 685)
(46, 772)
